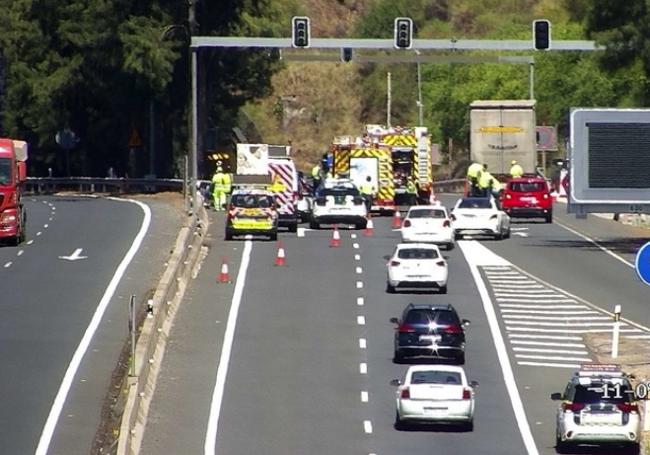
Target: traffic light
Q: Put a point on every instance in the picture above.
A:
(346, 54)
(403, 32)
(542, 34)
(300, 31)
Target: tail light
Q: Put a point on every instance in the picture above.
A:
(452, 329)
(406, 328)
(440, 263)
(494, 217)
(405, 394)
(446, 223)
(394, 263)
(628, 407)
(407, 223)
(545, 196)
(508, 196)
(467, 394)
(573, 407)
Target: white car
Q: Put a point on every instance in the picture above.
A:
(428, 223)
(598, 407)
(479, 215)
(434, 394)
(416, 266)
(339, 202)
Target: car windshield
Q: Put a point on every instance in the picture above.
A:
(594, 393)
(475, 203)
(5, 171)
(436, 377)
(252, 201)
(426, 213)
(447, 318)
(418, 317)
(417, 253)
(338, 192)
(526, 187)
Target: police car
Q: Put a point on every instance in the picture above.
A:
(338, 201)
(252, 211)
(598, 407)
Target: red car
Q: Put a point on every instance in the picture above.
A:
(527, 197)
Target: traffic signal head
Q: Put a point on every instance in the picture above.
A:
(403, 32)
(542, 35)
(300, 31)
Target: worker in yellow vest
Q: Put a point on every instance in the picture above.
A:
(516, 170)
(222, 186)
(474, 172)
(412, 191)
(485, 182)
(316, 177)
(367, 190)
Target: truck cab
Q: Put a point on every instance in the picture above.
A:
(13, 172)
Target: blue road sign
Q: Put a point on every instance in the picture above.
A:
(642, 263)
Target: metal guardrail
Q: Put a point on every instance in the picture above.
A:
(48, 185)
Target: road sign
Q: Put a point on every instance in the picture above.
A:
(546, 138)
(134, 139)
(642, 263)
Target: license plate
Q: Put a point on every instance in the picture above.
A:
(417, 276)
(469, 216)
(529, 199)
(433, 338)
(599, 417)
(434, 411)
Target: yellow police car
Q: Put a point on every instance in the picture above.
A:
(252, 212)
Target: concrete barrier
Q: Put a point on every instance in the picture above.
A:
(152, 338)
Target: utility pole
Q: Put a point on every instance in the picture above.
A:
(198, 84)
(388, 99)
(419, 102)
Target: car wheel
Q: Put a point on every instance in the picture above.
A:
(313, 225)
(400, 425)
(468, 426)
(507, 234)
(228, 235)
(633, 449)
(390, 289)
(460, 359)
(273, 236)
(450, 246)
(443, 289)
(293, 227)
(549, 217)
(458, 236)
(398, 357)
(560, 446)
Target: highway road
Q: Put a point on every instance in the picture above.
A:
(310, 359)
(55, 304)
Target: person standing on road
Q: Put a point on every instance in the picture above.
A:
(473, 175)
(412, 191)
(516, 170)
(367, 190)
(222, 185)
(316, 177)
(485, 182)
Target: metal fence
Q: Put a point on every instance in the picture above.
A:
(49, 185)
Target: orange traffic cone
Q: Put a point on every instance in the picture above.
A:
(370, 228)
(336, 238)
(397, 219)
(224, 277)
(280, 258)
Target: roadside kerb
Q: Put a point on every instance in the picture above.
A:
(152, 339)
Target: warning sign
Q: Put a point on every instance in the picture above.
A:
(134, 139)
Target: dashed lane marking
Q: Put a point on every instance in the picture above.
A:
(8, 264)
(357, 257)
(546, 343)
(20, 252)
(30, 242)
(360, 301)
(355, 246)
(361, 320)
(362, 343)
(359, 270)
(359, 284)
(364, 396)
(353, 236)
(46, 226)
(367, 426)
(363, 368)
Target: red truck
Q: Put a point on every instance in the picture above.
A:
(13, 173)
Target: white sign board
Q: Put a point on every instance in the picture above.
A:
(252, 159)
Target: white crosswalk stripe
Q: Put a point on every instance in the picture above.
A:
(545, 326)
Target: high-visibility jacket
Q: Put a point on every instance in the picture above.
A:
(366, 188)
(315, 171)
(411, 188)
(485, 180)
(516, 170)
(222, 182)
(474, 170)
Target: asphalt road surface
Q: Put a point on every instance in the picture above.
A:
(48, 304)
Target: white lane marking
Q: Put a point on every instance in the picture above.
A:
(53, 208)
(514, 229)
(30, 242)
(517, 286)
(520, 234)
(75, 256)
(550, 351)
(358, 270)
(364, 396)
(546, 343)
(8, 264)
(552, 295)
(73, 367)
(20, 252)
(360, 301)
(361, 320)
(525, 281)
(573, 366)
(518, 305)
(535, 300)
(509, 278)
(362, 343)
(363, 368)
(300, 232)
(559, 324)
(357, 257)
(359, 284)
(551, 357)
(639, 337)
(367, 426)
(353, 236)
(600, 247)
(46, 226)
(476, 255)
(512, 317)
(209, 446)
(38, 233)
(49, 219)
(508, 311)
(543, 337)
(355, 246)
(530, 329)
(540, 292)
(497, 267)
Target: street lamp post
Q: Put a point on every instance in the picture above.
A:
(419, 102)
